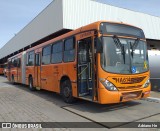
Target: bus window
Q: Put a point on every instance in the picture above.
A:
(57, 52)
(12, 63)
(31, 58)
(69, 50)
(15, 62)
(18, 62)
(46, 55)
(37, 60)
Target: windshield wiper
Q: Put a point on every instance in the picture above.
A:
(133, 47)
(119, 45)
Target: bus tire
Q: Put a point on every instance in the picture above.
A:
(66, 91)
(31, 87)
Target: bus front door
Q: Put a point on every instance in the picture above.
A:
(37, 71)
(85, 68)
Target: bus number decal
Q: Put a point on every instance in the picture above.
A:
(129, 80)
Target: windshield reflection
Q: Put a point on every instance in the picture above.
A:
(125, 56)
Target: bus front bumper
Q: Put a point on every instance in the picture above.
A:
(111, 97)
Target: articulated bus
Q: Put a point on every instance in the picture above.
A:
(104, 62)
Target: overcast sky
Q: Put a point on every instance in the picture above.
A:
(16, 14)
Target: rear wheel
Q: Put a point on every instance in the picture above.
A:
(66, 90)
(31, 87)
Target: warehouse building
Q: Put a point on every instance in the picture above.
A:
(62, 16)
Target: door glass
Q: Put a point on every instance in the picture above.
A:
(84, 68)
(37, 60)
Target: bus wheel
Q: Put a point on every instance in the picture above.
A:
(66, 90)
(31, 84)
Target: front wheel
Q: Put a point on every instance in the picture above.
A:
(66, 90)
(31, 87)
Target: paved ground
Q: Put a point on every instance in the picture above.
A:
(18, 104)
(155, 94)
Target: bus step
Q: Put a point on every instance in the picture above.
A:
(89, 98)
(84, 94)
(38, 88)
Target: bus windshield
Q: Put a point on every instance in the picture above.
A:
(124, 56)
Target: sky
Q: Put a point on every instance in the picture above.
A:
(16, 14)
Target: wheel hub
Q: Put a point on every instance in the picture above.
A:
(66, 91)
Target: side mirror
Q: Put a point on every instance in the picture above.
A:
(98, 45)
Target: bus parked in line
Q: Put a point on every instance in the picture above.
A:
(1, 69)
(5, 69)
(104, 62)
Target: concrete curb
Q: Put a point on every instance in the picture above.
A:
(153, 99)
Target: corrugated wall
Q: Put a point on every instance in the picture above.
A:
(77, 13)
(48, 21)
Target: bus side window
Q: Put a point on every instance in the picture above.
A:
(57, 49)
(12, 63)
(9, 64)
(15, 62)
(69, 50)
(30, 58)
(37, 60)
(18, 62)
(46, 55)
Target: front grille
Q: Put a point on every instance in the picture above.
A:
(131, 95)
(129, 87)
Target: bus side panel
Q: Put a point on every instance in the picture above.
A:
(57, 72)
(29, 72)
(69, 69)
(23, 67)
(1, 71)
(47, 79)
(19, 76)
(14, 74)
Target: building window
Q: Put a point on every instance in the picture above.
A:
(57, 49)
(69, 50)
(46, 55)
(30, 58)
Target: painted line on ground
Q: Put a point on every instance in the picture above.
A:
(153, 99)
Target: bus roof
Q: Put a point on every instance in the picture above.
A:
(92, 26)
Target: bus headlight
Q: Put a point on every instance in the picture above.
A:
(146, 84)
(108, 85)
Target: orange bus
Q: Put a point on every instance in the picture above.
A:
(4, 69)
(1, 69)
(104, 62)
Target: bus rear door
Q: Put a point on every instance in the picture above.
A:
(37, 70)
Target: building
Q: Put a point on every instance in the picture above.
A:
(62, 16)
